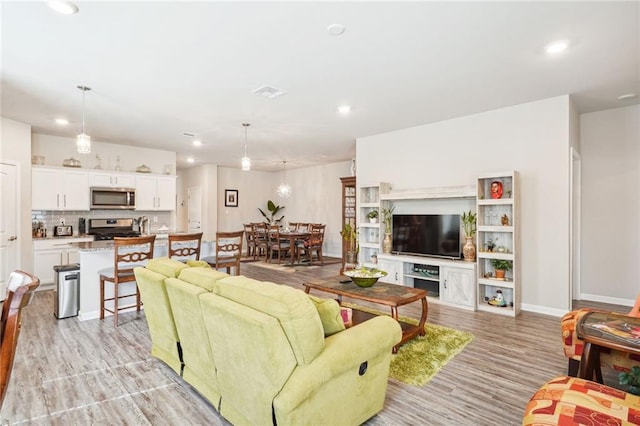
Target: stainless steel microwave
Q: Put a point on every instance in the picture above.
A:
(113, 198)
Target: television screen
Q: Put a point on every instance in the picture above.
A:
(427, 235)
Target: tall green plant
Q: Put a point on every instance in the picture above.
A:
(387, 216)
(469, 223)
(273, 211)
(349, 235)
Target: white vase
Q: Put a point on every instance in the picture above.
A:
(469, 250)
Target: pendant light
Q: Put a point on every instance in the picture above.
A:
(246, 161)
(83, 141)
(284, 189)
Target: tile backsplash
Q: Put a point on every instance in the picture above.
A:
(49, 219)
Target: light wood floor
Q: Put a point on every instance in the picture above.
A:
(72, 372)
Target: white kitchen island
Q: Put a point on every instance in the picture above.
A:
(98, 255)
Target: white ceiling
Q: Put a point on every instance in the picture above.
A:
(159, 69)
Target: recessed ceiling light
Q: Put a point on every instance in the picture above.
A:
(335, 29)
(627, 96)
(62, 121)
(64, 7)
(344, 109)
(197, 142)
(556, 47)
(190, 160)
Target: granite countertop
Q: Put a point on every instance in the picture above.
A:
(63, 238)
(108, 245)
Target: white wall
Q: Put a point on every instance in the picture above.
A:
(15, 148)
(531, 138)
(315, 198)
(610, 148)
(205, 177)
(55, 149)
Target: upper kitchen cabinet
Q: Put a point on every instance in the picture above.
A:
(156, 193)
(59, 189)
(112, 180)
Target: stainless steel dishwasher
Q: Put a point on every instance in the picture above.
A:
(67, 290)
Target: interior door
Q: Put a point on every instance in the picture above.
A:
(194, 209)
(8, 224)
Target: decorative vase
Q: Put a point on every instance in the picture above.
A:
(469, 250)
(386, 243)
(350, 257)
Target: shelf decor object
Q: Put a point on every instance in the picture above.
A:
(498, 221)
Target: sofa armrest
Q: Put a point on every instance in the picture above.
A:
(342, 352)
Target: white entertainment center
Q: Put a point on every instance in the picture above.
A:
(454, 282)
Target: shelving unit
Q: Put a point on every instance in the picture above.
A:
(370, 235)
(348, 211)
(498, 222)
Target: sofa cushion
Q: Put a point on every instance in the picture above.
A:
(165, 266)
(202, 277)
(198, 264)
(291, 307)
(330, 315)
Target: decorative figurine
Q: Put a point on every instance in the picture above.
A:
(496, 189)
(498, 299)
(505, 220)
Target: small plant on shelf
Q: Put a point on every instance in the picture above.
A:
(491, 244)
(501, 266)
(373, 216)
(469, 223)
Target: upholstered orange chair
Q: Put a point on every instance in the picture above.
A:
(573, 346)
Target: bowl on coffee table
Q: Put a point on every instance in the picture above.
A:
(365, 277)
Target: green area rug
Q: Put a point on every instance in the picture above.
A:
(418, 360)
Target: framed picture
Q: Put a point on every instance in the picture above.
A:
(231, 198)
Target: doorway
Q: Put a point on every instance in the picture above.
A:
(574, 226)
(9, 243)
(194, 209)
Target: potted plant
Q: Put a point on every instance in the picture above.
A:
(632, 379)
(273, 210)
(501, 266)
(373, 216)
(387, 217)
(469, 224)
(349, 236)
(491, 244)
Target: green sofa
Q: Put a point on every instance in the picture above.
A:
(260, 352)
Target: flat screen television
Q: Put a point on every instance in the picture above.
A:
(427, 235)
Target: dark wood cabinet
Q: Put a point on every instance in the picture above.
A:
(348, 210)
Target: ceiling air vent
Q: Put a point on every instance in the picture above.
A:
(269, 92)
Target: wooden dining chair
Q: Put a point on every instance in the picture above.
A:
(312, 244)
(262, 243)
(185, 246)
(276, 243)
(228, 251)
(128, 253)
(20, 288)
(250, 236)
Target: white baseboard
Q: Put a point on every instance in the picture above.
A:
(543, 310)
(606, 299)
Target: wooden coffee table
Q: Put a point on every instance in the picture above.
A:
(380, 293)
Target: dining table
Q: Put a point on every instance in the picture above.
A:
(292, 237)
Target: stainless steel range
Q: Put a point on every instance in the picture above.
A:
(107, 229)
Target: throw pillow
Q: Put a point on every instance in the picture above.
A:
(330, 315)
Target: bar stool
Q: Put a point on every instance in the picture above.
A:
(228, 251)
(128, 253)
(185, 246)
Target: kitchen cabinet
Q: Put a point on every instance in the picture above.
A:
(156, 193)
(51, 252)
(59, 189)
(112, 180)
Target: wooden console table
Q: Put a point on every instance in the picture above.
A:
(381, 293)
(605, 330)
